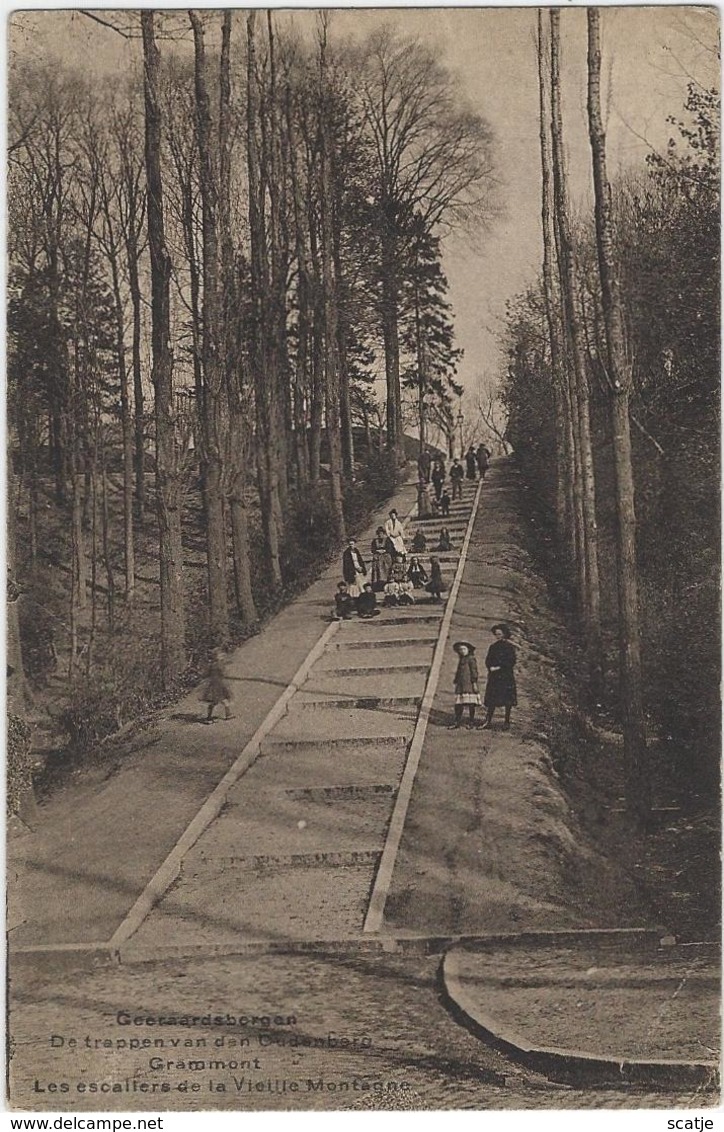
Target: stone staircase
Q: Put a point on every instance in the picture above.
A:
(294, 852)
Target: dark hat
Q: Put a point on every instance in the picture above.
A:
(505, 630)
(458, 644)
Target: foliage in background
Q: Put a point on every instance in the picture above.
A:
(667, 218)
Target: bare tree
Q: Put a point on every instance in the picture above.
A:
(566, 515)
(619, 373)
(213, 408)
(569, 287)
(433, 159)
(329, 286)
(168, 488)
(265, 385)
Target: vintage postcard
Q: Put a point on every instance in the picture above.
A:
(363, 559)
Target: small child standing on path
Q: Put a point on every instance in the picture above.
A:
(466, 683)
(216, 690)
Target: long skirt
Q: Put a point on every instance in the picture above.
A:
(355, 587)
(501, 690)
(381, 566)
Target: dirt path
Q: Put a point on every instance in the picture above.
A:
(491, 843)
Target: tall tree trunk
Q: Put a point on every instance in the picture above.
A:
(592, 612)
(240, 536)
(106, 537)
(277, 364)
(329, 284)
(637, 782)
(126, 422)
(335, 175)
(138, 394)
(168, 494)
(421, 370)
(214, 412)
(304, 291)
(239, 427)
(564, 455)
(18, 698)
(317, 405)
(267, 472)
(390, 336)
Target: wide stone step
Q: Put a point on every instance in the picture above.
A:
(352, 743)
(430, 526)
(391, 643)
(330, 682)
(337, 723)
(358, 792)
(412, 615)
(311, 765)
(368, 702)
(344, 859)
(375, 669)
(314, 901)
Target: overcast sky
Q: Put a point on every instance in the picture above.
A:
(649, 55)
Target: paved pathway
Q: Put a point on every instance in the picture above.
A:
(101, 839)
(294, 853)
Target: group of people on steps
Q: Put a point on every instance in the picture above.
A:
(398, 578)
(432, 471)
(390, 571)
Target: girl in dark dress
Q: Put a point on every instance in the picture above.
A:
(500, 690)
(466, 683)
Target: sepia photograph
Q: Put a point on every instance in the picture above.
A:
(363, 634)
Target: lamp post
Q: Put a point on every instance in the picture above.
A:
(460, 420)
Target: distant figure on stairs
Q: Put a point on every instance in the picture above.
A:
(417, 573)
(343, 603)
(423, 500)
(438, 478)
(470, 463)
(367, 603)
(444, 542)
(354, 568)
(396, 534)
(435, 587)
(419, 543)
(381, 560)
(483, 457)
(445, 504)
(457, 473)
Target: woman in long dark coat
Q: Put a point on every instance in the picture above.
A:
(500, 690)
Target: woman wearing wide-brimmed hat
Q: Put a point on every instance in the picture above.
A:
(500, 690)
(466, 683)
